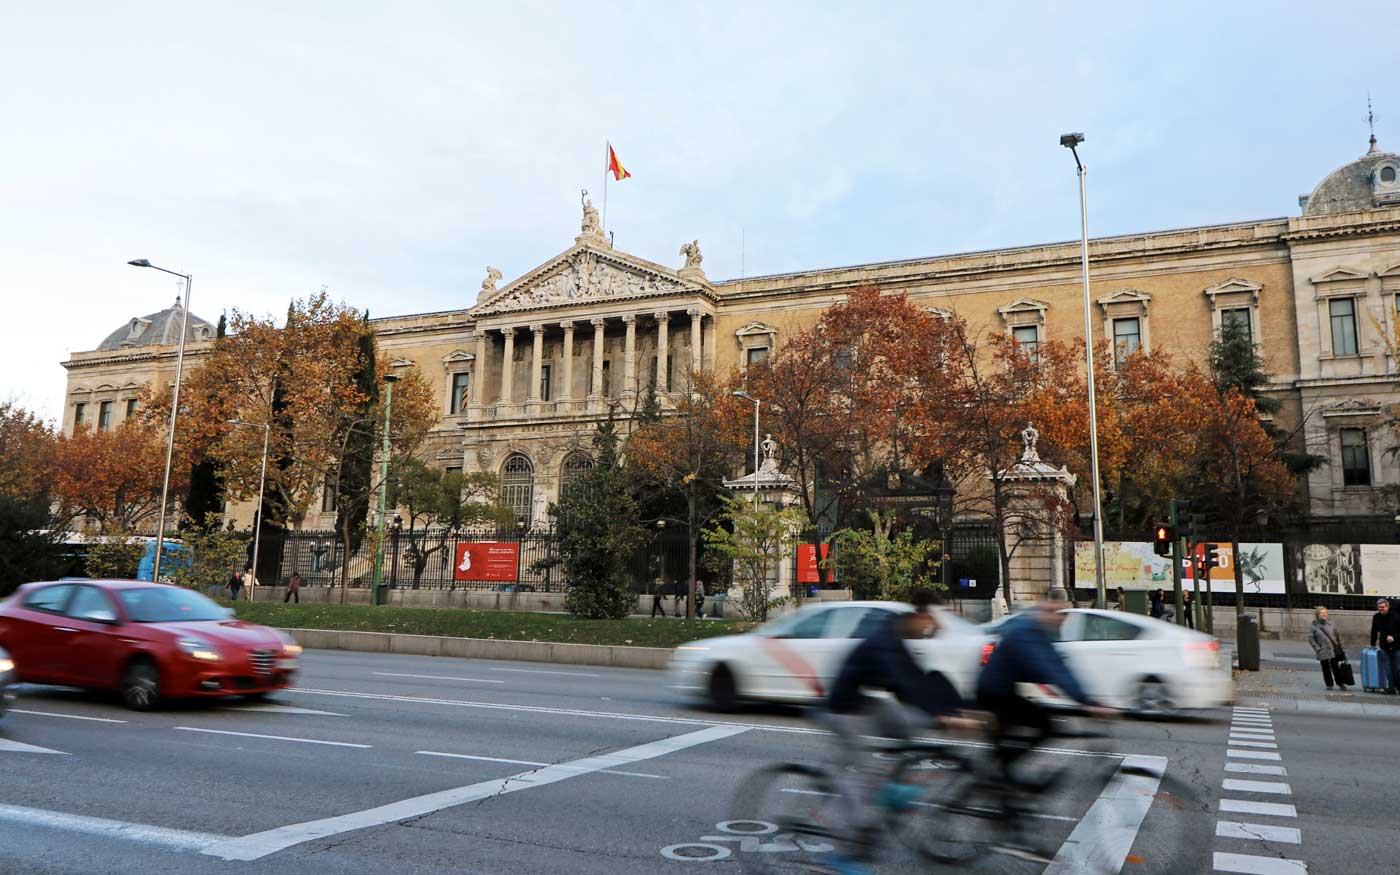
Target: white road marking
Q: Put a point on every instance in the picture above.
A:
(1248, 864)
(436, 677)
(259, 845)
(21, 747)
(798, 792)
(463, 756)
(175, 839)
(272, 737)
(1253, 754)
(1259, 832)
(1237, 785)
(1250, 733)
(65, 716)
(274, 708)
(1104, 836)
(1263, 725)
(1243, 710)
(1255, 769)
(1243, 742)
(1245, 806)
(575, 674)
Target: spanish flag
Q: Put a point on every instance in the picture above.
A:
(615, 166)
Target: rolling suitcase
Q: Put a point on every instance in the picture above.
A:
(1373, 670)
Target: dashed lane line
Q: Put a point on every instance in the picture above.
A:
(1263, 832)
(572, 674)
(1253, 754)
(1255, 769)
(1274, 788)
(173, 839)
(1244, 742)
(1248, 731)
(1248, 806)
(272, 737)
(436, 677)
(64, 716)
(1248, 864)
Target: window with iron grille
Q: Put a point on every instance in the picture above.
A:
(574, 467)
(518, 485)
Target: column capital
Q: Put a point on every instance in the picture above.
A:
(537, 328)
(507, 331)
(629, 318)
(694, 312)
(661, 316)
(597, 322)
(566, 324)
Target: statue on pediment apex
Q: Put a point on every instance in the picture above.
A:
(488, 285)
(591, 225)
(691, 251)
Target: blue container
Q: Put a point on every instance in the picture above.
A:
(1375, 674)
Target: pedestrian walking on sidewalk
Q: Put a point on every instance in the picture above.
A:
(680, 597)
(293, 589)
(656, 598)
(699, 598)
(249, 581)
(1385, 634)
(1186, 606)
(1159, 606)
(1327, 647)
(235, 586)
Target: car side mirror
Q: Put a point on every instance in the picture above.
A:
(101, 616)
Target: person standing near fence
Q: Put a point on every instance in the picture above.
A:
(293, 589)
(249, 581)
(1327, 647)
(699, 598)
(656, 598)
(1385, 634)
(235, 585)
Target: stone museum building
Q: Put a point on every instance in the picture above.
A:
(525, 370)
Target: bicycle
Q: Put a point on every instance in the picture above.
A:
(964, 815)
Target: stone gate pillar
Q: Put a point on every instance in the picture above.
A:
(1038, 493)
(772, 487)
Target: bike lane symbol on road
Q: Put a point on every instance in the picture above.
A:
(751, 837)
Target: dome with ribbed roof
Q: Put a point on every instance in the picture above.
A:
(1371, 181)
(158, 329)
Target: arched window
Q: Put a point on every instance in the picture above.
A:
(518, 485)
(574, 465)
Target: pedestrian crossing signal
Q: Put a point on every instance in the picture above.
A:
(1162, 538)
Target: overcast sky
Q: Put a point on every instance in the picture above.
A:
(392, 151)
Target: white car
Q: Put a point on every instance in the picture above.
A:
(1134, 662)
(796, 657)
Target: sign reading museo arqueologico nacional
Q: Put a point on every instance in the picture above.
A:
(486, 560)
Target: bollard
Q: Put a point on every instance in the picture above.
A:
(1247, 642)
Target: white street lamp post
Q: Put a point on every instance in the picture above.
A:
(1071, 141)
(740, 393)
(174, 409)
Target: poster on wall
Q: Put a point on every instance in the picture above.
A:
(807, 563)
(1380, 569)
(1333, 568)
(495, 561)
(1129, 564)
(1261, 564)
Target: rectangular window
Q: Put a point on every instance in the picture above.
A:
(1127, 338)
(843, 358)
(1238, 316)
(544, 382)
(461, 392)
(670, 371)
(328, 495)
(1356, 458)
(607, 379)
(130, 407)
(453, 469)
(104, 416)
(1028, 336)
(757, 355)
(1343, 313)
(79, 410)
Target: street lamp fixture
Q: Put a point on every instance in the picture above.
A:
(174, 409)
(1071, 141)
(389, 381)
(262, 482)
(741, 393)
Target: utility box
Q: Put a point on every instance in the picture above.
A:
(1247, 643)
(1135, 601)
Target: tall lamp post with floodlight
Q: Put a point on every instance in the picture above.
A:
(389, 381)
(174, 408)
(262, 482)
(1071, 142)
(741, 393)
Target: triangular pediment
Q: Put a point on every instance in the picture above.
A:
(590, 273)
(458, 356)
(1024, 305)
(401, 362)
(1340, 275)
(1392, 271)
(1125, 296)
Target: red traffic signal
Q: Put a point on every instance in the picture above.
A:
(1162, 538)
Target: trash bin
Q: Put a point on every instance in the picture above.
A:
(1247, 643)
(718, 611)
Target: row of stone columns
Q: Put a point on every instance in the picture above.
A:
(629, 373)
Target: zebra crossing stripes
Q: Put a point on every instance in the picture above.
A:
(1251, 749)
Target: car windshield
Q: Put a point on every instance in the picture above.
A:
(167, 604)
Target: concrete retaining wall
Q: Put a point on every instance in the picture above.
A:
(483, 648)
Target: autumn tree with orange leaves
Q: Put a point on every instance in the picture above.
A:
(113, 477)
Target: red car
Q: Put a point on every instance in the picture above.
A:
(146, 640)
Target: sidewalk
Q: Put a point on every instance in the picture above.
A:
(1289, 681)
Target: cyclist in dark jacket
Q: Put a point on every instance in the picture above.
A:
(1026, 654)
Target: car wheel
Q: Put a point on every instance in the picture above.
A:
(141, 685)
(1154, 698)
(724, 694)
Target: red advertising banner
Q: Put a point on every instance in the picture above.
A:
(486, 560)
(807, 562)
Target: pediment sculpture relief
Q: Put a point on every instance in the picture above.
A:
(585, 279)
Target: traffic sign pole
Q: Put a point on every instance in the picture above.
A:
(1176, 568)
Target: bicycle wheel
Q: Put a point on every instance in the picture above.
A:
(783, 819)
(950, 819)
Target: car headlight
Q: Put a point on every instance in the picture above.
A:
(199, 649)
(291, 650)
(7, 665)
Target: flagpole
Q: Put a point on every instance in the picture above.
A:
(607, 155)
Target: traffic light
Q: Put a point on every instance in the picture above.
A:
(1212, 556)
(1162, 538)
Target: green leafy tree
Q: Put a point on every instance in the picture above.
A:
(214, 554)
(597, 530)
(450, 500)
(30, 543)
(882, 564)
(755, 539)
(115, 557)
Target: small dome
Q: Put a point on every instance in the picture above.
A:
(1364, 184)
(158, 329)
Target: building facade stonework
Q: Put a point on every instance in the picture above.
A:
(526, 371)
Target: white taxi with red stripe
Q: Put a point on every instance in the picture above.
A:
(796, 657)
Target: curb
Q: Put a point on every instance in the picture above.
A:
(610, 656)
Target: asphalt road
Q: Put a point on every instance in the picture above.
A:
(379, 764)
